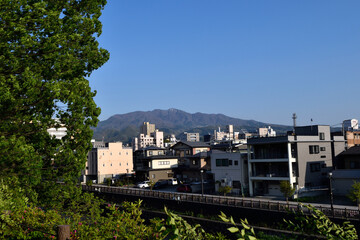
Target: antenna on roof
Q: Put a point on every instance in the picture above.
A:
(294, 122)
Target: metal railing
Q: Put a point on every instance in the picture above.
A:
(263, 204)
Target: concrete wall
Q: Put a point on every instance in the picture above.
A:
(308, 178)
(230, 173)
(164, 163)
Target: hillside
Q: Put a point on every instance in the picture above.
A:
(123, 127)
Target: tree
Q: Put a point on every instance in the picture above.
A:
(48, 49)
(286, 189)
(225, 190)
(354, 194)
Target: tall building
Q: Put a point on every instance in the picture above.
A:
(149, 136)
(189, 137)
(147, 128)
(109, 160)
(304, 159)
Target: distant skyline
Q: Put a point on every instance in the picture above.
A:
(260, 60)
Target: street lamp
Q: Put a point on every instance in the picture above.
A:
(202, 183)
(331, 194)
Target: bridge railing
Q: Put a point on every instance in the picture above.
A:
(270, 205)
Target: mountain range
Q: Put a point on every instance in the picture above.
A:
(123, 127)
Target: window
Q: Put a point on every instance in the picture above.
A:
(323, 156)
(314, 167)
(236, 163)
(322, 136)
(230, 162)
(120, 164)
(119, 153)
(111, 154)
(222, 162)
(104, 165)
(322, 149)
(164, 162)
(236, 184)
(314, 149)
(110, 164)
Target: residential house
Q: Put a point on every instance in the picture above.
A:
(193, 157)
(152, 163)
(230, 169)
(347, 171)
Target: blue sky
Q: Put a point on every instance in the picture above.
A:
(260, 60)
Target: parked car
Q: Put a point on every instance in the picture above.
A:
(160, 184)
(172, 181)
(184, 188)
(144, 184)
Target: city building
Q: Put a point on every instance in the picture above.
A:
(193, 157)
(108, 160)
(152, 163)
(266, 132)
(189, 137)
(230, 169)
(149, 136)
(228, 134)
(303, 157)
(347, 171)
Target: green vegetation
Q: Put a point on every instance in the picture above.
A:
(287, 189)
(319, 224)
(48, 49)
(225, 190)
(354, 194)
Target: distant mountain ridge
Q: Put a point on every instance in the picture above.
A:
(123, 127)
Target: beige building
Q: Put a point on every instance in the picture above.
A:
(109, 160)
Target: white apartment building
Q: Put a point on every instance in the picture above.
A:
(149, 136)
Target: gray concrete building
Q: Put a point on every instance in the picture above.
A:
(304, 158)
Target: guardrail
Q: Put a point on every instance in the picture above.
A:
(269, 205)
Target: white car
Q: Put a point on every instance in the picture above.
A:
(144, 184)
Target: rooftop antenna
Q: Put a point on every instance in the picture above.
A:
(294, 122)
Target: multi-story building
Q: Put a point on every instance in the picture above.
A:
(149, 136)
(108, 160)
(189, 137)
(230, 168)
(229, 134)
(347, 171)
(152, 163)
(304, 158)
(147, 128)
(266, 132)
(193, 157)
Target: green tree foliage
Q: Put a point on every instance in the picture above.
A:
(246, 233)
(225, 189)
(48, 49)
(286, 189)
(319, 224)
(354, 194)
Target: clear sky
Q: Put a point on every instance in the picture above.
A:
(260, 60)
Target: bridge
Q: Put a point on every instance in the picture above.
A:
(337, 212)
